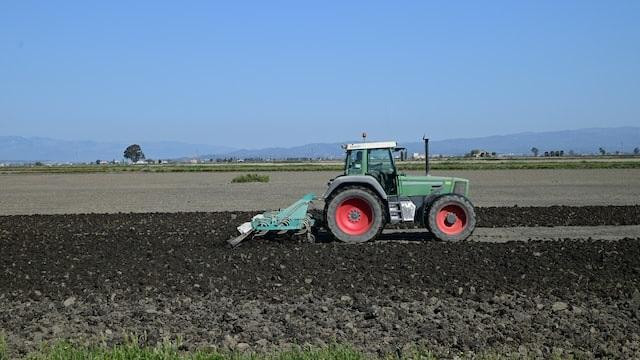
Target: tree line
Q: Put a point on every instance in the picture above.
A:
(601, 150)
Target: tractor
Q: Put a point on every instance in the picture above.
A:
(372, 193)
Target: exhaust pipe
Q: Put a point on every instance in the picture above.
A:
(426, 154)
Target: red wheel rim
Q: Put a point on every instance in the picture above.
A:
(354, 216)
(451, 219)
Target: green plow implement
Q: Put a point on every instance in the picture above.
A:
(294, 218)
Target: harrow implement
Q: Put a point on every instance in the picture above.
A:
(294, 218)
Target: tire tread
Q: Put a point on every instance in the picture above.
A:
(335, 232)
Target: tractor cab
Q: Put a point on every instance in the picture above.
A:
(376, 160)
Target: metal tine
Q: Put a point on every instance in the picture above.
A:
(306, 227)
(310, 236)
(303, 229)
(237, 240)
(262, 233)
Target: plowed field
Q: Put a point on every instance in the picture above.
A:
(97, 277)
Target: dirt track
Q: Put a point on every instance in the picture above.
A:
(171, 192)
(95, 276)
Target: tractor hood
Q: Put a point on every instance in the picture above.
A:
(408, 185)
(411, 185)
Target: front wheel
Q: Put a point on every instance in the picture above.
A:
(354, 215)
(451, 218)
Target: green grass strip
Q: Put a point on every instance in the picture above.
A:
(250, 178)
(4, 351)
(131, 350)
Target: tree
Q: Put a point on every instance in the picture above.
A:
(636, 151)
(133, 153)
(535, 151)
(472, 153)
(602, 151)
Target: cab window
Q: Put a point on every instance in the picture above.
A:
(380, 166)
(380, 161)
(354, 162)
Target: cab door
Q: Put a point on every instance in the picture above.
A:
(380, 165)
(355, 163)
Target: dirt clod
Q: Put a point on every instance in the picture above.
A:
(69, 301)
(559, 306)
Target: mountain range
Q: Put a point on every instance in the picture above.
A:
(587, 141)
(26, 149)
(581, 141)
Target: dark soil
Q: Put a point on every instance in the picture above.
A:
(558, 216)
(95, 276)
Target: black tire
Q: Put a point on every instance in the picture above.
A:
(454, 227)
(359, 193)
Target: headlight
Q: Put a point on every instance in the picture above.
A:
(460, 188)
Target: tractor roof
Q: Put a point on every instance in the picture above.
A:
(371, 145)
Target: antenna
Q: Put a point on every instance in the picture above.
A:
(426, 154)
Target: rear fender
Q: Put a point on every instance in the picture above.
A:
(364, 180)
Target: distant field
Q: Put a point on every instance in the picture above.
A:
(214, 191)
(436, 164)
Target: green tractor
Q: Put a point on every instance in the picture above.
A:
(371, 194)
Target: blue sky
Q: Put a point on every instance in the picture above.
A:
(263, 73)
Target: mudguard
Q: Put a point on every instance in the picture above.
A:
(355, 179)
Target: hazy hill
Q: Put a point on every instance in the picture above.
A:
(15, 148)
(581, 141)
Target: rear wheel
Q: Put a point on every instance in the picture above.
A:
(451, 218)
(354, 215)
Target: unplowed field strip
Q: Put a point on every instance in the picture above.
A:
(174, 192)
